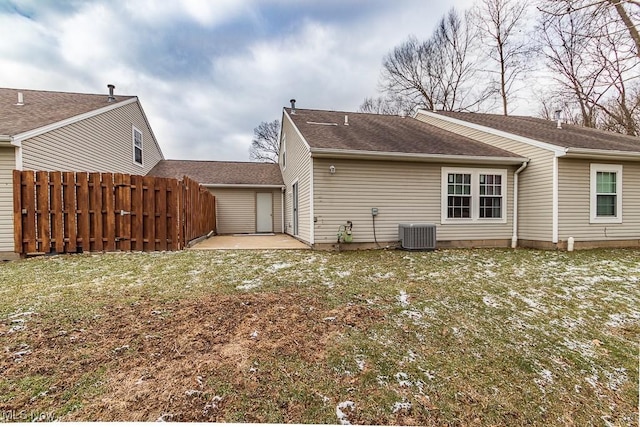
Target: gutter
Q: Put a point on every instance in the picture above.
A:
(243, 186)
(416, 157)
(591, 153)
(7, 141)
(514, 238)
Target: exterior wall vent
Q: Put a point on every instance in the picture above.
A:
(417, 237)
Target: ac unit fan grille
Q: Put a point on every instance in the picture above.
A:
(417, 236)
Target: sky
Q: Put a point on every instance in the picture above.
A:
(207, 72)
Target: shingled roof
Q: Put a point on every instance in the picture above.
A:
(326, 130)
(570, 136)
(43, 108)
(221, 173)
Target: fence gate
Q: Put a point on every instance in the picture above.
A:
(66, 212)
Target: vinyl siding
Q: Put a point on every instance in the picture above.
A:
(574, 203)
(403, 192)
(7, 164)
(535, 199)
(236, 209)
(101, 143)
(299, 164)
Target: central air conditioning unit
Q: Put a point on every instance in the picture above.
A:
(417, 237)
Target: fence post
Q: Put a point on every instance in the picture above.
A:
(69, 205)
(109, 213)
(84, 214)
(17, 212)
(137, 213)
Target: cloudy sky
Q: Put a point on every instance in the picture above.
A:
(208, 71)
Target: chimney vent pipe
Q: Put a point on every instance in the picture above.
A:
(111, 97)
(346, 120)
(293, 106)
(558, 117)
(20, 99)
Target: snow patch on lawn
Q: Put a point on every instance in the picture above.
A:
(342, 417)
(403, 379)
(616, 378)
(584, 348)
(279, 266)
(490, 302)
(400, 406)
(249, 284)
(545, 378)
(403, 298)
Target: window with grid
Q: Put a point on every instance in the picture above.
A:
(606, 193)
(459, 195)
(137, 146)
(490, 196)
(471, 195)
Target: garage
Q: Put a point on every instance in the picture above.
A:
(249, 195)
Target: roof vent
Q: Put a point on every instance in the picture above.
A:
(111, 97)
(346, 120)
(558, 116)
(293, 106)
(20, 99)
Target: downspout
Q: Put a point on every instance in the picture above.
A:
(555, 200)
(514, 238)
(283, 190)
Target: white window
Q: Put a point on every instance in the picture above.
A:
(606, 193)
(470, 195)
(284, 151)
(137, 146)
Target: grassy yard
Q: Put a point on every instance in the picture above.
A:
(460, 337)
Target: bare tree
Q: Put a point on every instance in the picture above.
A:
(591, 55)
(501, 24)
(391, 105)
(265, 146)
(440, 72)
(627, 11)
(563, 43)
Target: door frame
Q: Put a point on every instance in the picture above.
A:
(270, 193)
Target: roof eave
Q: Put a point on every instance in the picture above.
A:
(556, 149)
(6, 141)
(588, 153)
(56, 125)
(280, 186)
(414, 157)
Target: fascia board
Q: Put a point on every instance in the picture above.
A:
(588, 153)
(296, 128)
(144, 116)
(243, 186)
(416, 157)
(53, 126)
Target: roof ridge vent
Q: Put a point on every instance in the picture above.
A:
(20, 99)
(111, 97)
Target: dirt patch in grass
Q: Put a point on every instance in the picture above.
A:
(175, 361)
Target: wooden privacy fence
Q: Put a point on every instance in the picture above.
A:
(79, 211)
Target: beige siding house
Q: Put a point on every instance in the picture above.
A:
(249, 196)
(580, 184)
(346, 164)
(41, 130)
(481, 179)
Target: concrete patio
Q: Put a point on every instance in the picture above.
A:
(250, 241)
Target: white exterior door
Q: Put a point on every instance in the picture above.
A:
(264, 212)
